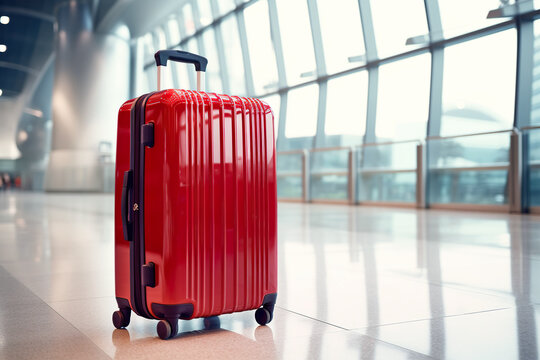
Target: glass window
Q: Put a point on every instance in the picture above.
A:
(387, 187)
(396, 20)
(225, 6)
(174, 33)
(340, 51)
(160, 43)
(479, 84)
(461, 169)
(189, 23)
(263, 61)
(403, 98)
(301, 120)
(233, 56)
(148, 48)
(296, 39)
(274, 101)
(289, 187)
(151, 79)
(187, 71)
(535, 103)
(160, 39)
(205, 12)
(213, 79)
(182, 72)
(461, 16)
(346, 106)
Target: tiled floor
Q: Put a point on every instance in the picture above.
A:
(355, 282)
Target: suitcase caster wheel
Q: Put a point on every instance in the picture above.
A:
(212, 322)
(263, 316)
(166, 330)
(119, 320)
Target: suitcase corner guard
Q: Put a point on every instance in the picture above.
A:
(176, 311)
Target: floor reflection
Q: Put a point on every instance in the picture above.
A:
(354, 282)
(522, 274)
(209, 342)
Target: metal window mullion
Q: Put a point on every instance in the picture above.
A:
(321, 71)
(241, 24)
(320, 136)
(435, 95)
(368, 30)
(434, 22)
(218, 35)
(524, 70)
(433, 127)
(373, 85)
(276, 40)
(515, 172)
(316, 35)
(373, 70)
(437, 67)
(522, 114)
(282, 141)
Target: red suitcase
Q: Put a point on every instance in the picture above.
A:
(195, 205)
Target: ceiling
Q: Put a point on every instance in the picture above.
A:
(29, 37)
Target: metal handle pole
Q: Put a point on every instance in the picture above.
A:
(200, 80)
(159, 74)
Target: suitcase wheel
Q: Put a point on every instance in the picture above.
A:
(263, 316)
(212, 322)
(121, 318)
(167, 329)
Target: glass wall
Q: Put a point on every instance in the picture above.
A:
(341, 52)
(470, 170)
(302, 106)
(368, 72)
(406, 18)
(535, 101)
(387, 173)
(346, 105)
(479, 79)
(403, 98)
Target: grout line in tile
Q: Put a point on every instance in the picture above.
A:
(433, 318)
(312, 318)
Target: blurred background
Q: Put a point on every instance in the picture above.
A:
(419, 103)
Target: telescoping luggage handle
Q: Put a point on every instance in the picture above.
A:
(200, 63)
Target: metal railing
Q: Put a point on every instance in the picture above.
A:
(351, 172)
(514, 166)
(511, 165)
(530, 165)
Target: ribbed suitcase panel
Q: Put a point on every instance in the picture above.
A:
(218, 250)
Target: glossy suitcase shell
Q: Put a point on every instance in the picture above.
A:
(196, 199)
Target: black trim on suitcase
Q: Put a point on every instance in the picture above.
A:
(269, 301)
(177, 311)
(137, 253)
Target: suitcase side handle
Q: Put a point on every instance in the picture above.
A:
(126, 187)
(200, 62)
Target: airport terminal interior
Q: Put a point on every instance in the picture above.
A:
(407, 173)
